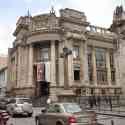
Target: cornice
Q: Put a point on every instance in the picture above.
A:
(101, 37)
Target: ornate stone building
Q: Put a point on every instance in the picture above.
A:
(66, 53)
(118, 27)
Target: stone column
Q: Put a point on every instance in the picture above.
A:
(82, 54)
(30, 66)
(94, 66)
(19, 67)
(61, 65)
(70, 63)
(117, 68)
(85, 64)
(53, 65)
(108, 67)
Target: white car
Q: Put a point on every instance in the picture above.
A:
(22, 106)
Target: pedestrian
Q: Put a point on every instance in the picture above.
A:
(90, 102)
(106, 99)
(94, 100)
(110, 103)
(98, 102)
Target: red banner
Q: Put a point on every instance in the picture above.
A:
(40, 72)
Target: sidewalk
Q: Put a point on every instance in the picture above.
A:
(105, 110)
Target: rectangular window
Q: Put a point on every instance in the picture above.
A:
(102, 75)
(100, 57)
(76, 72)
(89, 55)
(44, 53)
(111, 60)
(75, 52)
(13, 60)
(113, 76)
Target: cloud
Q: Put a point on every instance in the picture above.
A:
(57, 7)
(6, 38)
(28, 1)
(98, 12)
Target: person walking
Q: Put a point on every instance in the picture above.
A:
(90, 102)
(99, 102)
(110, 103)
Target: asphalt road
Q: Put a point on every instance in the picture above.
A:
(111, 120)
(24, 120)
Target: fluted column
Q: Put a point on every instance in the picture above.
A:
(30, 66)
(108, 67)
(94, 66)
(53, 64)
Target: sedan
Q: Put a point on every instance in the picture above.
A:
(65, 114)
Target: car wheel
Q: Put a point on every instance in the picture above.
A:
(59, 123)
(30, 114)
(11, 112)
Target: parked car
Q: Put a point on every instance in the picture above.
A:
(3, 103)
(4, 117)
(65, 114)
(22, 106)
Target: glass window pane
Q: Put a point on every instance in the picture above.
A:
(100, 57)
(45, 53)
(75, 52)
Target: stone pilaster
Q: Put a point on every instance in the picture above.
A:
(108, 67)
(94, 66)
(30, 66)
(53, 64)
(61, 65)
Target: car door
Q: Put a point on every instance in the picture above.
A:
(53, 114)
(10, 106)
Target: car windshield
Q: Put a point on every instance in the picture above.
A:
(21, 101)
(72, 107)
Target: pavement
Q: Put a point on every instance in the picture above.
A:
(117, 111)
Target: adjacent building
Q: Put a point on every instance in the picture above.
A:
(118, 27)
(63, 56)
(3, 75)
(3, 61)
(3, 81)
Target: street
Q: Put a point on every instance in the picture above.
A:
(24, 120)
(106, 120)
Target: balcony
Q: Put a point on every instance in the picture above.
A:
(100, 32)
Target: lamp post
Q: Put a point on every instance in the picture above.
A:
(65, 54)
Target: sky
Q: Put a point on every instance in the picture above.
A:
(98, 12)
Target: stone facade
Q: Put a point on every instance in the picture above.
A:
(79, 58)
(118, 26)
